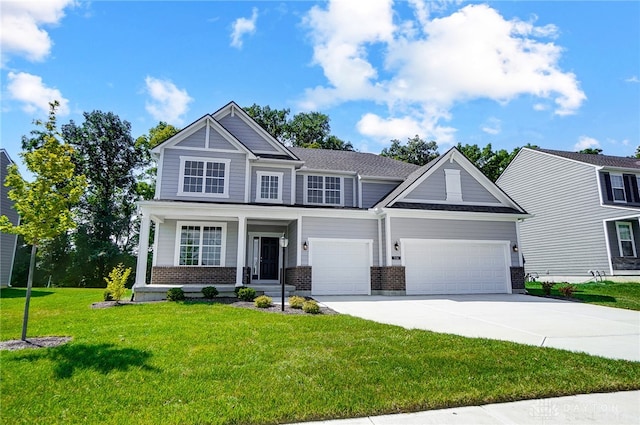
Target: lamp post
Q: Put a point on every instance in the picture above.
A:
(283, 244)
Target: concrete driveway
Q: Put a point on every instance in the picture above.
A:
(602, 331)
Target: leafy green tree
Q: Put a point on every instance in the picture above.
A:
(146, 182)
(44, 205)
(275, 121)
(592, 151)
(491, 163)
(638, 152)
(107, 155)
(416, 151)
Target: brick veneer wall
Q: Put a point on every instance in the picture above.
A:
(390, 278)
(300, 277)
(517, 280)
(246, 275)
(193, 275)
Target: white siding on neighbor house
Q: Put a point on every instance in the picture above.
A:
(166, 243)
(171, 175)
(285, 182)
(195, 140)
(249, 137)
(433, 188)
(339, 228)
(422, 228)
(372, 193)
(565, 236)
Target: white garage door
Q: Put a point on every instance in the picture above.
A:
(340, 266)
(456, 267)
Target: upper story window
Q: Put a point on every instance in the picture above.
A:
(625, 239)
(269, 186)
(204, 177)
(617, 187)
(200, 244)
(324, 190)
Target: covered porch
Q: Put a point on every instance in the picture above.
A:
(623, 245)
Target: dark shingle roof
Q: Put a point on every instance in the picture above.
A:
(365, 164)
(598, 160)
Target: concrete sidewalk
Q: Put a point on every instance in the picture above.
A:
(607, 409)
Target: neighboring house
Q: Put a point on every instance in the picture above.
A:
(7, 241)
(356, 223)
(585, 213)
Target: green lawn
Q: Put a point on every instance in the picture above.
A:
(610, 294)
(181, 363)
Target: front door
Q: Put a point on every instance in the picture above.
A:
(269, 248)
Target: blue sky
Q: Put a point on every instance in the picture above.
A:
(561, 75)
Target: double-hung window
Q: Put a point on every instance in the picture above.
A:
(625, 239)
(617, 187)
(200, 244)
(269, 186)
(324, 190)
(204, 177)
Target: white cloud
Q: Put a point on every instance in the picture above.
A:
(585, 142)
(633, 79)
(168, 103)
(474, 53)
(492, 126)
(34, 94)
(242, 26)
(22, 21)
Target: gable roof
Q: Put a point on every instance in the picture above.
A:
(364, 164)
(597, 160)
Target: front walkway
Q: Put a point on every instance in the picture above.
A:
(602, 331)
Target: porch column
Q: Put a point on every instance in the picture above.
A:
(143, 251)
(242, 248)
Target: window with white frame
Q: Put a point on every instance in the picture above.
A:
(617, 187)
(625, 239)
(324, 190)
(200, 244)
(204, 177)
(269, 186)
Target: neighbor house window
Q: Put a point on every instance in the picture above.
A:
(324, 190)
(200, 177)
(269, 186)
(617, 187)
(200, 244)
(625, 239)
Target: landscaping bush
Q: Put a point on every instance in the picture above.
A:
(568, 290)
(247, 294)
(311, 307)
(107, 295)
(209, 292)
(263, 301)
(175, 294)
(296, 302)
(237, 289)
(546, 287)
(116, 282)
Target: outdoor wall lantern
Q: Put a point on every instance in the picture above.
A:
(305, 246)
(515, 248)
(396, 246)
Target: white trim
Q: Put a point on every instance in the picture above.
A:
(359, 191)
(227, 177)
(387, 237)
(380, 241)
(608, 246)
(451, 215)
(448, 202)
(320, 172)
(201, 224)
(191, 148)
(293, 186)
(206, 135)
(242, 246)
(452, 184)
(251, 253)
(599, 186)
(259, 175)
(620, 224)
(158, 193)
(353, 196)
(156, 238)
(305, 189)
(247, 181)
(520, 253)
(299, 237)
(613, 192)
(143, 252)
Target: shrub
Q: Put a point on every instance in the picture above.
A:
(107, 295)
(311, 307)
(237, 289)
(263, 301)
(296, 302)
(568, 290)
(247, 294)
(116, 281)
(546, 287)
(175, 294)
(209, 292)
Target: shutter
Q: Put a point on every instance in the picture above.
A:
(627, 187)
(607, 185)
(633, 197)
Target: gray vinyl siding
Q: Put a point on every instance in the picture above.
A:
(300, 179)
(417, 228)
(246, 134)
(216, 141)
(292, 249)
(286, 182)
(166, 234)
(171, 175)
(566, 234)
(372, 193)
(7, 241)
(433, 188)
(348, 192)
(196, 140)
(340, 228)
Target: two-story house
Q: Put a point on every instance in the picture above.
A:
(585, 213)
(356, 223)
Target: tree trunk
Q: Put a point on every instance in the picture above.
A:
(32, 270)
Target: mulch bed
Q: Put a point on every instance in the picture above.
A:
(42, 342)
